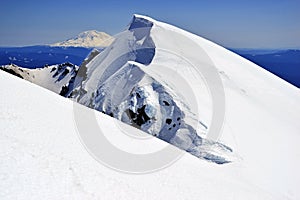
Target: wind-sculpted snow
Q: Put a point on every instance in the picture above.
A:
(143, 55)
(115, 82)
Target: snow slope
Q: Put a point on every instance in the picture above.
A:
(90, 38)
(42, 157)
(52, 77)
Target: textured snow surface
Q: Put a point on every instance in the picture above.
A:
(42, 157)
(91, 38)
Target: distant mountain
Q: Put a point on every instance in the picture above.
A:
(90, 38)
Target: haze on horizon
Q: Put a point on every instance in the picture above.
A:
(236, 24)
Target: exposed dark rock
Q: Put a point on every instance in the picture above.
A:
(64, 90)
(53, 69)
(11, 72)
(140, 117)
(166, 103)
(168, 121)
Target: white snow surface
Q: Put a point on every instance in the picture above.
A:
(90, 38)
(42, 157)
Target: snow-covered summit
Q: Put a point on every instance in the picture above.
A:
(90, 38)
(136, 80)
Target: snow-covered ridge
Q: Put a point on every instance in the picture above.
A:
(52, 77)
(90, 38)
(127, 81)
(117, 82)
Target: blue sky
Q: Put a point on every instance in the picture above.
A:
(240, 24)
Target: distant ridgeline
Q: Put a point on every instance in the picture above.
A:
(39, 56)
(283, 63)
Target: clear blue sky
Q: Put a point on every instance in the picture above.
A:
(242, 24)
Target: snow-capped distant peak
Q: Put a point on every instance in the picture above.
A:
(90, 38)
(93, 33)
